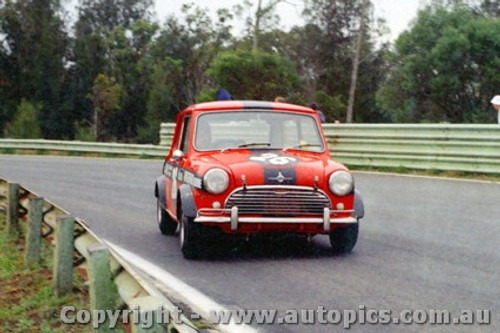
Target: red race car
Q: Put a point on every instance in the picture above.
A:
(246, 167)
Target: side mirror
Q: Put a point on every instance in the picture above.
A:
(177, 155)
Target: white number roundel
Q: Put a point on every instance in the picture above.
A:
(274, 159)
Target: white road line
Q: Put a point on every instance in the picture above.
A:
(200, 303)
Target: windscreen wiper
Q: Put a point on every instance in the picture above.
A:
(246, 145)
(252, 144)
(303, 145)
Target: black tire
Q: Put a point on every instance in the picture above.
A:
(167, 225)
(201, 242)
(190, 238)
(343, 239)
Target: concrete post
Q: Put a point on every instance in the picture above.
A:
(63, 255)
(100, 282)
(13, 209)
(34, 234)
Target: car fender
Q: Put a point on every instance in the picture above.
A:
(160, 190)
(359, 206)
(187, 201)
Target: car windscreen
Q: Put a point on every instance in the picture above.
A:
(257, 130)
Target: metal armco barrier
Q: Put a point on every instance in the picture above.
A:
(166, 134)
(90, 254)
(445, 147)
(84, 147)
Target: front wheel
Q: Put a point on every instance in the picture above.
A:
(343, 239)
(190, 238)
(166, 224)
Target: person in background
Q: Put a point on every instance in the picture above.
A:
(279, 99)
(495, 101)
(321, 115)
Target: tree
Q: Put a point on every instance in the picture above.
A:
(25, 124)
(326, 47)
(100, 25)
(105, 96)
(356, 59)
(490, 8)
(445, 68)
(164, 98)
(192, 42)
(130, 62)
(32, 60)
(254, 75)
(260, 20)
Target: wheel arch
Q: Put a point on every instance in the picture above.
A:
(186, 201)
(160, 190)
(359, 206)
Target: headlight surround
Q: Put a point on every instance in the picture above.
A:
(341, 183)
(216, 181)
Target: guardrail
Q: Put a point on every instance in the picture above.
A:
(84, 147)
(77, 247)
(468, 148)
(445, 147)
(166, 133)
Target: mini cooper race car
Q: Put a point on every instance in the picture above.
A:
(246, 167)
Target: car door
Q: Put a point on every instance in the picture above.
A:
(177, 161)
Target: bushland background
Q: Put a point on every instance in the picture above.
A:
(112, 72)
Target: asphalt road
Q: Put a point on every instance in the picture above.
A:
(424, 244)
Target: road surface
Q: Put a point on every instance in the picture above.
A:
(425, 244)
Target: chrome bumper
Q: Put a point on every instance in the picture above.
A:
(231, 216)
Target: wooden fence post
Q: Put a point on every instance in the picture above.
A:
(13, 209)
(34, 234)
(100, 282)
(63, 255)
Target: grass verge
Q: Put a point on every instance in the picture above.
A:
(27, 303)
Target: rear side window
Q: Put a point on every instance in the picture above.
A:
(186, 129)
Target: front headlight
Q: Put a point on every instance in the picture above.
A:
(216, 181)
(341, 183)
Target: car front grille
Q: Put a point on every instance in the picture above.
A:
(278, 201)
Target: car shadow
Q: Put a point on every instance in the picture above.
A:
(275, 247)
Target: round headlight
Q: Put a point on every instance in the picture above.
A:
(341, 183)
(216, 181)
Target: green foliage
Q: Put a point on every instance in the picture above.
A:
(113, 38)
(27, 302)
(25, 124)
(207, 95)
(193, 41)
(444, 69)
(106, 93)
(84, 133)
(324, 50)
(34, 45)
(106, 96)
(163, 98)
(332, 106)
(239, 71)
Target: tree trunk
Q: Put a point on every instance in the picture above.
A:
(355, 65)
(256, 26)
